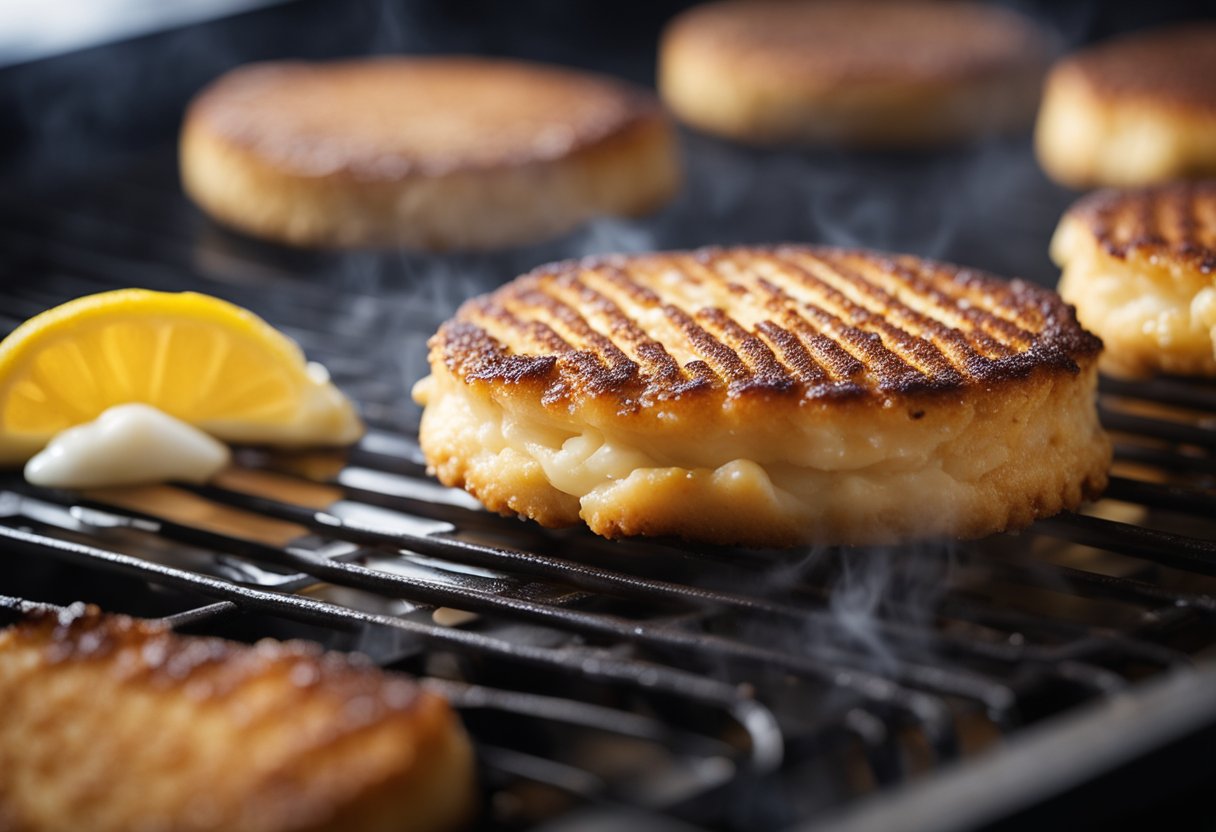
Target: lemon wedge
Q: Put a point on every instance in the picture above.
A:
(197, 358)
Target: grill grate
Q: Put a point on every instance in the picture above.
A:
(737, 689)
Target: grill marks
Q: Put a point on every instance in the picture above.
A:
(818, 322)
(890, 352)
(652, 357)
(1177, 220)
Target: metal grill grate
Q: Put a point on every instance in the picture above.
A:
(726, 687)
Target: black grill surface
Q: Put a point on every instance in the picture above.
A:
(1063, 674)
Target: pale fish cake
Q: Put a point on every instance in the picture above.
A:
(423, 152)
(873, 74)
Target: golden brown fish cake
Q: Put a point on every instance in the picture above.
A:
(1140, 265)
(423, 152)
(873, 74)
(112, 723)
(1136, 110)
(766, 396)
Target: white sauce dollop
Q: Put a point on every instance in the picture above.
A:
(129, 444)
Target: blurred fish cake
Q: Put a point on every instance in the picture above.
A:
(423, 152)
(1136, 110)
(1140, 265)
(112, 723)
(880, 74)
(766, 397)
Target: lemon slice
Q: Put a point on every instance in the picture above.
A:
(197, 358)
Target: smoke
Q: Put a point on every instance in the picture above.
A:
(940, 204)
(898, 589)
(878, 601)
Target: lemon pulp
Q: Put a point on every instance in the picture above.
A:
(197, 358)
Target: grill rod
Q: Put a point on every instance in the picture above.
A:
(604, 580)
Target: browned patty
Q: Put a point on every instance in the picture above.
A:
(766, 396)
(113, 723)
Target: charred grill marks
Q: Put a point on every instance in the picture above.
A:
(1175, 220)
(803, 321)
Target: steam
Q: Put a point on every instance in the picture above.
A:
(938, 204)
(900, 588)
(878, 599)
(856, 600)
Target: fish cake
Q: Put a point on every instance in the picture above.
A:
(113, 723)
(423, 152)
(887, 73)
(1140, 265)
(766, 397)
(1136, 110)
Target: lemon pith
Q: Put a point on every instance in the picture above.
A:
(198, 358)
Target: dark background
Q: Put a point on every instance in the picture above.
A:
(130, 94)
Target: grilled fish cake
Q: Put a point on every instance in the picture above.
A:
(1140, 265)
(832, 71)
(112, 723)
(1137, 110)
(766, 396)
(432, 153)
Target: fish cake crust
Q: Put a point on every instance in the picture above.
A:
(423, 152)
(113, 723)
(766, 397)
(1136, 110)
(1140, 265)
(871, 74)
